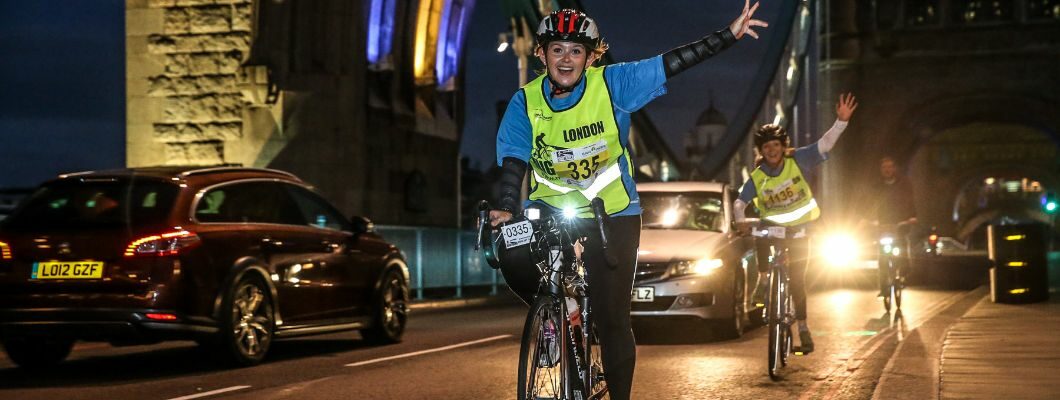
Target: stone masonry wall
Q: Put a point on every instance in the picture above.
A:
(183, 57)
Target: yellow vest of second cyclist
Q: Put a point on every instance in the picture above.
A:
(575, 152)
(785, 199)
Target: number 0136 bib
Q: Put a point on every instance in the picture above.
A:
(575, 154)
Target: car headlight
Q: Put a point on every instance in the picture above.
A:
(840, 250)
(697, 267)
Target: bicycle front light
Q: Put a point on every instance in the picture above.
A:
(569, 213)
(698, 267)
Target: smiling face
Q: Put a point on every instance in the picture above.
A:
(566, 61)
(773, 152)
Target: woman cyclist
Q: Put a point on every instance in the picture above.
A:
(571, 126)
(781, 194)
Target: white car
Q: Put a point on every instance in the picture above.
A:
(689, 267)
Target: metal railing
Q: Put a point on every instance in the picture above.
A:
(441, 258)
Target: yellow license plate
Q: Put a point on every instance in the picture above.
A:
(67, 270)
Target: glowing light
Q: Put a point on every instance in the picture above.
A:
(1019, 291)
(989, 181)
(669, 217)
(1015, 237)
(569, 213)
(5, 251)
(895, 251)
(161, 317)
(840, 250)
(887, 241)
(643, 252)
(707, 266)
(1017, 264)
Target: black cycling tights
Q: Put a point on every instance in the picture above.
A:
(798, 259)
(609, 291)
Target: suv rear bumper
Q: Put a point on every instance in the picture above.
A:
(99, 324)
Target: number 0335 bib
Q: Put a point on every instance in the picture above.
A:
(576, 151)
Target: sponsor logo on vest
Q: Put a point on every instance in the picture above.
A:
(593, 129)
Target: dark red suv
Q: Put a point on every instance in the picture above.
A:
(229, 257)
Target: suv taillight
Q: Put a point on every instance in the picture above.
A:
(5, 251)
(166, 244)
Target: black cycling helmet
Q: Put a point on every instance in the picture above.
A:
(771, 132)
(570, 26)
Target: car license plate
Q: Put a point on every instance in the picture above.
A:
(67, 270)
(517, 234)
(643, 294)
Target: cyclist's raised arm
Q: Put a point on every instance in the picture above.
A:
(843, 110)
(684, 57)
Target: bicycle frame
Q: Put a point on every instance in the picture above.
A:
(563, 276)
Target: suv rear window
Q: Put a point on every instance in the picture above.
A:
(94, 203)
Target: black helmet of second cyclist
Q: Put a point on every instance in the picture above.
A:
(770, 132)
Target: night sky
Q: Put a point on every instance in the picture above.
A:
(62, 68)
(635, 30)
(62, 88)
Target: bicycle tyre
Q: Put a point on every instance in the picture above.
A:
(544, 377)
(775, 321)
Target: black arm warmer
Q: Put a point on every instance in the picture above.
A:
(684, 57)
(512, 171)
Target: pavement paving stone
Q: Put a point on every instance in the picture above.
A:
(1002, 351)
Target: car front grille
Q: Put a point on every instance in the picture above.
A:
(650, 271)
(661, 303)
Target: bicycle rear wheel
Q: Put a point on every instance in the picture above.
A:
(542, 361)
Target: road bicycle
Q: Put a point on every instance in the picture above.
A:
(559, 355)
(780, 314)
(890, 251)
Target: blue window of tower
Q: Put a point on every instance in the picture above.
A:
(451, 36)
(380, 31)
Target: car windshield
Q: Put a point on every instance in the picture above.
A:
(76, 204)
(701, 211)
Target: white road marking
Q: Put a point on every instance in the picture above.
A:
(210, 393)
(435, 350)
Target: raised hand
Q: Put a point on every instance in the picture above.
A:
(744, 22)
(846, 106)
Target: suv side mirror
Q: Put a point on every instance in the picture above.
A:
(362, 224)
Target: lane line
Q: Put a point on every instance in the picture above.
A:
(211, 393)
(422, 352)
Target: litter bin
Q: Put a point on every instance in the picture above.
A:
(1019, 254)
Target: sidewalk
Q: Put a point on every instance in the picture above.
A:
(478, 301)
(1003, 351)
(981, 351)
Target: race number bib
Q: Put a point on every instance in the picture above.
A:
(580, 166)
(517, 234)
(783, 195)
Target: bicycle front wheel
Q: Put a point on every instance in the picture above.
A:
(777, 329)
(542, 364)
